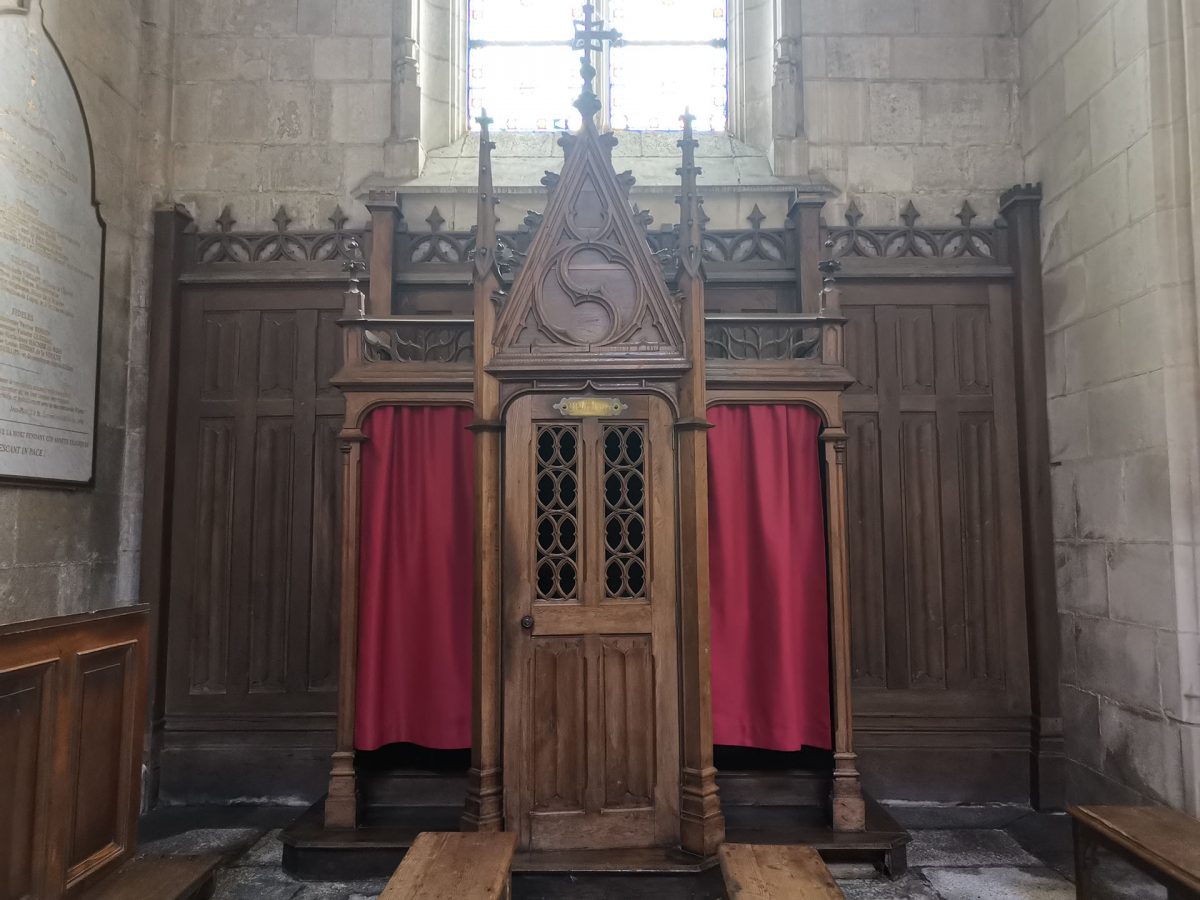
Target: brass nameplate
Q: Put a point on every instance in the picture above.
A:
(587, 407)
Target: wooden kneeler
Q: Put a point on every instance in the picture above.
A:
(776, 872)
(455, 866)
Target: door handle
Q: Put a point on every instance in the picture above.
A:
(527, 622)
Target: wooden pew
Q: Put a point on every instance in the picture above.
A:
(1163, 843)
(776, 872)
(455, 866)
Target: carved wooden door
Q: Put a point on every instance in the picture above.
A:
(591, 728)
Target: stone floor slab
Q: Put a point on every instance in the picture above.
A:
(256, 883)
(1000, 883)
(945, 816)
(1115, 879)
(1048, 837)
(912, 886)
(967, 847)
(201, 840)
(336, 890)
(267, 852)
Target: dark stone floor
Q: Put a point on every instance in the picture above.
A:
(957, 853)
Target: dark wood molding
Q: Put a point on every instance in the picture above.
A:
(805, 216)
(158, 495)
(385, 218)
(1021, 209)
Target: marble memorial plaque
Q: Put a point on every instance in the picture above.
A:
(51, 260)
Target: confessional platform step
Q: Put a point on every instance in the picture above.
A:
(374, 849)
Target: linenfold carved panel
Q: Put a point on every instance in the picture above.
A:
(590, 285)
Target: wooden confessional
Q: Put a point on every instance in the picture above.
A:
(593, 721)
(924, 362)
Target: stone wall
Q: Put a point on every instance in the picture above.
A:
(1103, 121)
(911, 99)
(66, 551)
(292, 103)
(280, 102)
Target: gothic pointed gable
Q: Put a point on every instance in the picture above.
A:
(590, 292)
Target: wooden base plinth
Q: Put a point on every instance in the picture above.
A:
(375, 848)
(701, 825)
(341, 803)
(846, 796)
(484, 808)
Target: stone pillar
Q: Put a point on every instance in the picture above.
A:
(791, 146)
(405, 153)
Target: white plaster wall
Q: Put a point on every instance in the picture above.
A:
(1104, 125)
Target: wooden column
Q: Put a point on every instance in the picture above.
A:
(168, 261)
(805, 215)
(385, 218)
(484, 810)
(341, 805)
(1020, 208)
(849, 811)
(702, 825)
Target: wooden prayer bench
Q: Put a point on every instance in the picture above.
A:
(776, 872)
(1164, 843)
(451, 865)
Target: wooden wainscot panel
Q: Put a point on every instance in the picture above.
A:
(936, 581)
(26, 731)
(72, 707)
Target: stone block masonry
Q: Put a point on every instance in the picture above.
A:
(911, 99)
(1103, 114)
(280, 103)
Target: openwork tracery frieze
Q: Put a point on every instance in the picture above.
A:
(401, 342)
(965, 241)
(754, 246)
(752, 342)
(281, 245)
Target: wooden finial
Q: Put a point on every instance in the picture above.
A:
(690, 214)
(485, 229)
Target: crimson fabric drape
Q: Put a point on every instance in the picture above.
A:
(416, 556)
(770, 633)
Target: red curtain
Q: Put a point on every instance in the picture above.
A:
(415, 584)
(770, 633)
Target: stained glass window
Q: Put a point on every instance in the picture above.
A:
(672, 56)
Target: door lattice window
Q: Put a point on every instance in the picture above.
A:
(557, 522)
(625, 511)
